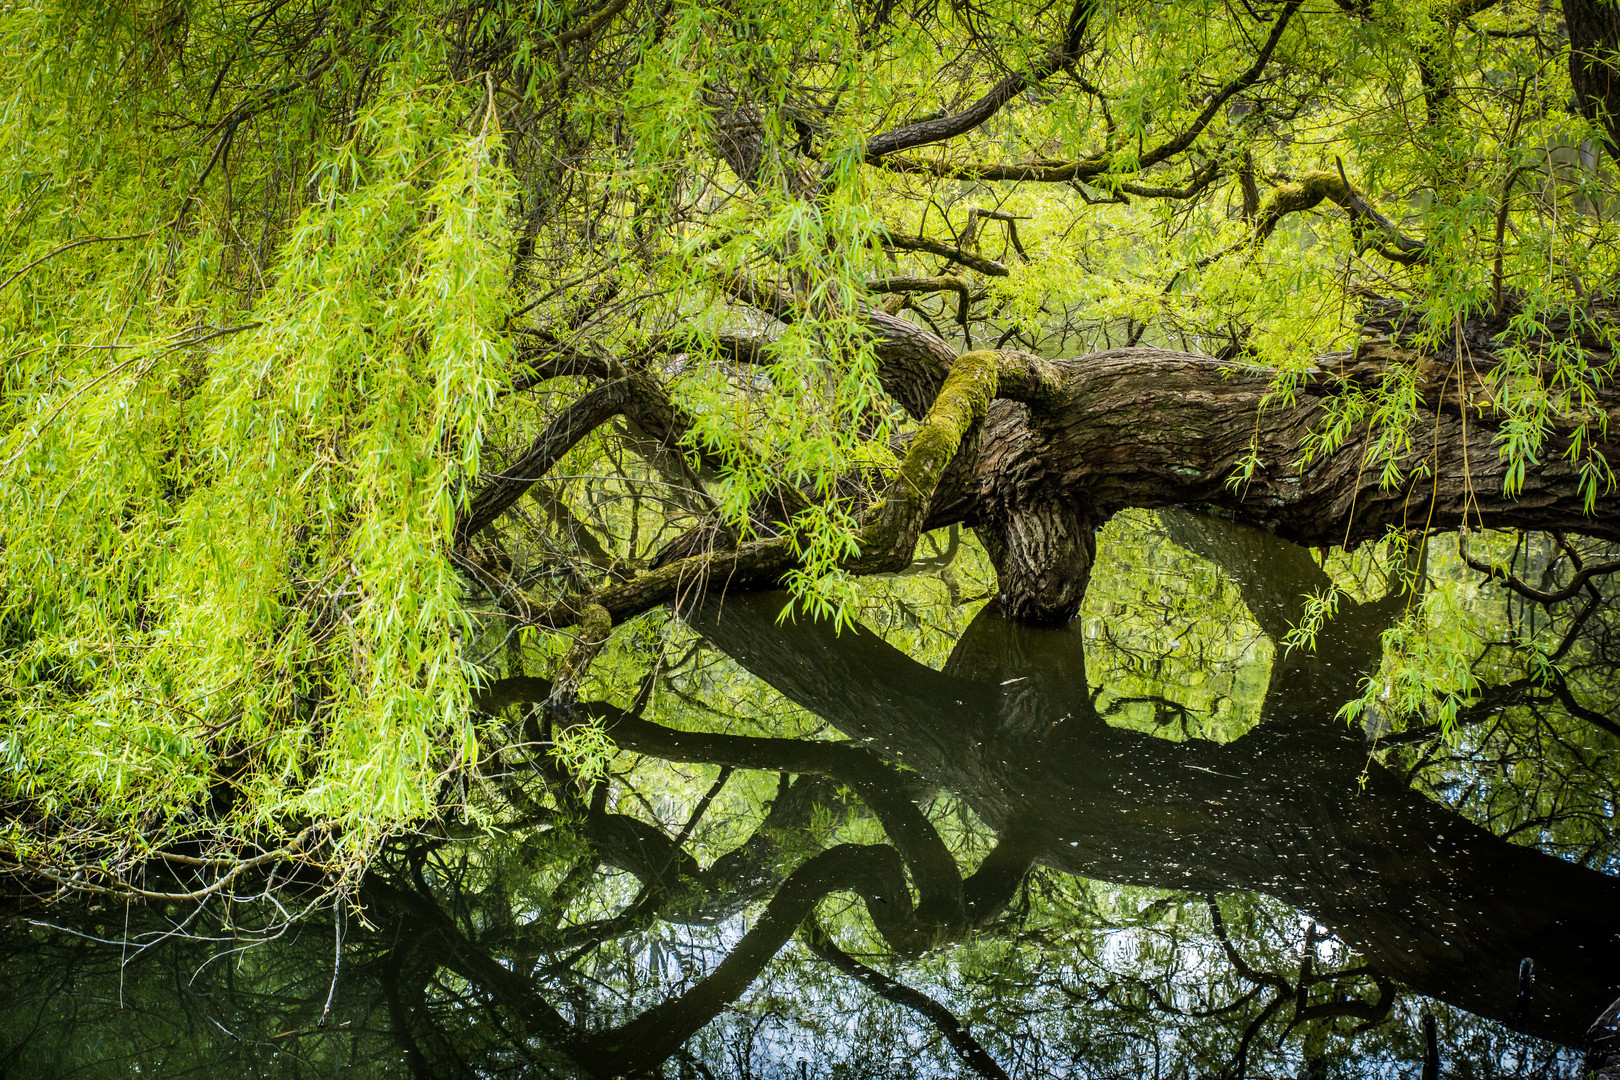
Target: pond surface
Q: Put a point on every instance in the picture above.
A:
(938, 843)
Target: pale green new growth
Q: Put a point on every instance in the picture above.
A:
(285, 285)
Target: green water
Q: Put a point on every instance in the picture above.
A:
(1143, 845)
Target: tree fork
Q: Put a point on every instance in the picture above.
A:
(1036, 454)
(889, 533)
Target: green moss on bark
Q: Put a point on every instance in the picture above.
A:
(968, 391)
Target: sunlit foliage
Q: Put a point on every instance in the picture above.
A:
(276, 279)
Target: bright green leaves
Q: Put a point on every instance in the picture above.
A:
(1455, 639)
(815, 417)
(257, 266)
(346, 433)
(1549, 380)
(1429, 669)
(231, 547)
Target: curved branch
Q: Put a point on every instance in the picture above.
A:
(581, 417)
(872, 872)
(945, 251)
(466, 959)
(591, 25)
(938, 129)
(1051, 170)
(1497, 573)
(1150, 428)
(945, 1022)
(904, 283)
(1308, 193)
(1196, 183)
(747, 873)
(889, 529)
(885, 791)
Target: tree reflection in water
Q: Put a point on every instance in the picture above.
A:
(970, 870)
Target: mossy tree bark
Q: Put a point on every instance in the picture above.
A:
(1037, 454)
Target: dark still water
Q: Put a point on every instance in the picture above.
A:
(937, 843)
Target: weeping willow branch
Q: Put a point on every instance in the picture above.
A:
(888, 532)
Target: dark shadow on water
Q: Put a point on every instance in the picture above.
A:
(483, 958)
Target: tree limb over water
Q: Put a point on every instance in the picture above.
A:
(1279, 810)
(622, 264)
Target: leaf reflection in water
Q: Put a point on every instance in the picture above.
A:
(977, 867)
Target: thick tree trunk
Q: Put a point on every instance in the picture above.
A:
(1043, 550)
(1149, 428)
(1594, 35)
(1067, 443)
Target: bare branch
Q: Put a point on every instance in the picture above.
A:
(1497, 573)
(1052, 170)
(945, 1022)
(938, 129)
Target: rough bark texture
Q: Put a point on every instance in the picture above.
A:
(1142, 427)
(1036, 454)
(1069, 443)
(1150, 428)
(1594, 35)
(1042, 550)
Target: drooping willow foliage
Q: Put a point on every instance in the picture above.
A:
(285, 283)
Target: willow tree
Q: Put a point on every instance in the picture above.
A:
(356, 354)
